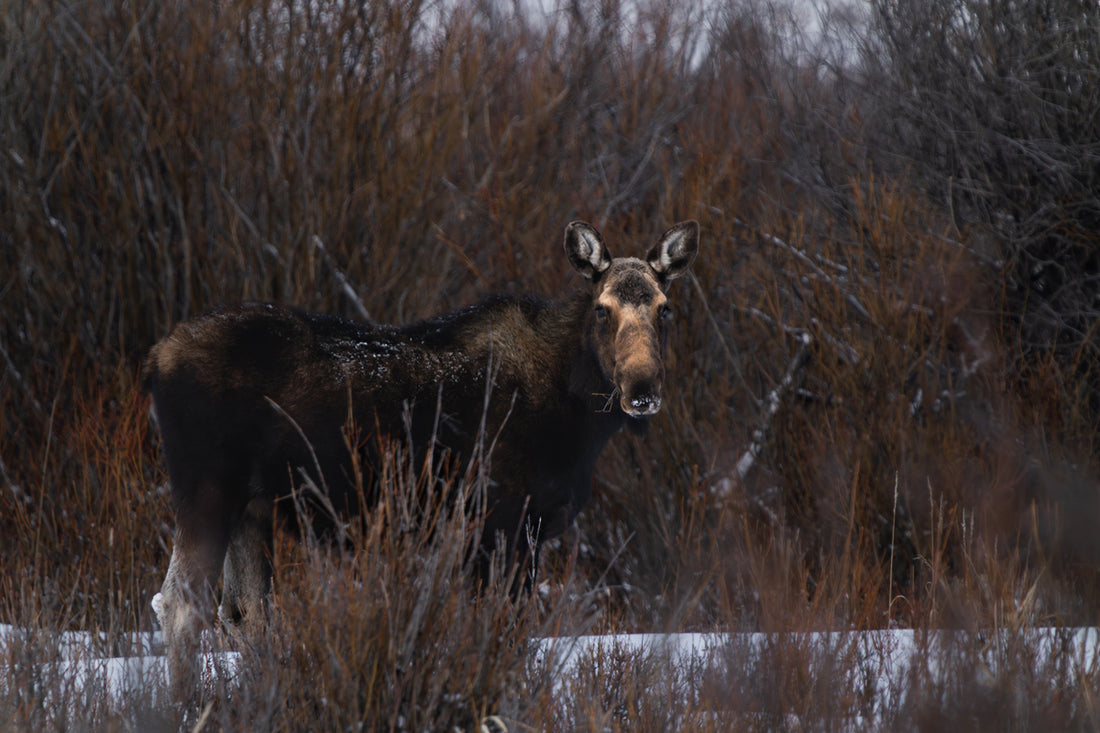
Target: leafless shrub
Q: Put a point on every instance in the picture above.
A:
(991, 107)
(893, 319)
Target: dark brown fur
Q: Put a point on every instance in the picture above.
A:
(247, 397)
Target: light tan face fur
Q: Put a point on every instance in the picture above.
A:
(628, 312)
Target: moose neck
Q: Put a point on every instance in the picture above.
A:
(546, 351)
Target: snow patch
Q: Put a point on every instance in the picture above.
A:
(113, 669)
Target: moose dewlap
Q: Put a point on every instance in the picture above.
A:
(252, 399)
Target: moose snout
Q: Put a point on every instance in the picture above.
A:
(641, 398)
(638, 371)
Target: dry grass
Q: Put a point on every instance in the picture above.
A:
(926, 464)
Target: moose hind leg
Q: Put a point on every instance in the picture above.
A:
(246, 578)
(186, 600)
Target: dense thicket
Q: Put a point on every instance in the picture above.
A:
(991, 109)
(882, 380)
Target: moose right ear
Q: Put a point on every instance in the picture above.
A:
(672, 256)
(586, 250)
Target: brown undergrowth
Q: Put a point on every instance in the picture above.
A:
(870, 420)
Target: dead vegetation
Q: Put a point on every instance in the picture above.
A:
(881, 406)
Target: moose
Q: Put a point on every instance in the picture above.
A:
(248, 398)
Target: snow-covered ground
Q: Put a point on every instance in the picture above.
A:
(885, 662)
(884, 656)
(88, 662)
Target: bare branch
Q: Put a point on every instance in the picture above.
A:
(342, 281)
(772, 403)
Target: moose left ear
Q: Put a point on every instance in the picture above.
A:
(586, 250)
(672, 256)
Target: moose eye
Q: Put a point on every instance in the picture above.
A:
(665, 313)
(601, 313)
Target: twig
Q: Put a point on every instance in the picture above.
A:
(619, 197)
(343, 281)
(893, 527)
(772, 403)
(717, 328)
(319, 492)
(852, 300)
(19, 380)
(845, 351)
(8, 482)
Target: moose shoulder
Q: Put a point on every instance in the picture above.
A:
(249, 399)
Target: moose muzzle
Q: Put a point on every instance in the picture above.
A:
(638, 370)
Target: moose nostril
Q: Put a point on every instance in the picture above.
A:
(646, 404)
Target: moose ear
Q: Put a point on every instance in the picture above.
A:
(586, 250)
(672, 256)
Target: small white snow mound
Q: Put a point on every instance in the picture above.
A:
(158, 608)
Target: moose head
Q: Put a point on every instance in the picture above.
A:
(629, 308)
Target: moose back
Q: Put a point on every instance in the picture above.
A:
(248, 398)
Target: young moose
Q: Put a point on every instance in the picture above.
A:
(249, 399)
